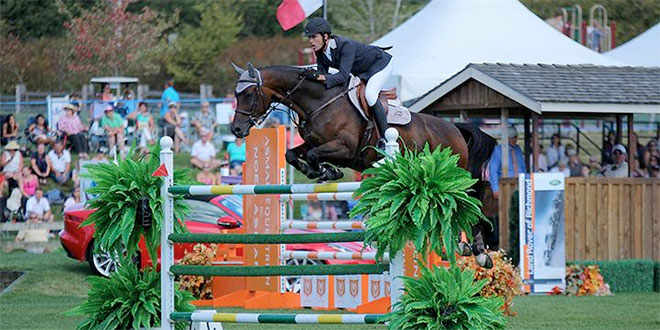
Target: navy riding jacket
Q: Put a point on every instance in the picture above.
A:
(350, 56)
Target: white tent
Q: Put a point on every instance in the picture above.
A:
(643, 50)
(446, 35)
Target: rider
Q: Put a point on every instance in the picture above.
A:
(372, 64)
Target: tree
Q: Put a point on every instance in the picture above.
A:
(15, 55)
(195, 47)
(110, 40)
(367, 20)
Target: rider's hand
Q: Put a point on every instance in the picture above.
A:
(311, 74)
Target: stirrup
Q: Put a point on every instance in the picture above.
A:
(381, 144)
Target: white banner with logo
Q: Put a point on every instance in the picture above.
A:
(542, 239)
(347, 291)
(314, 291)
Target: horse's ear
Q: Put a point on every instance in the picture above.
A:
(252, 70)
(237, 69)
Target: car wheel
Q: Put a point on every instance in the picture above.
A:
(293, 283)
(104, 263)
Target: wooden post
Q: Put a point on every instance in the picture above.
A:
(84, 95)
(504, 140)
(535, 141)
(619, 129)
(20, 90)
(142, 92)
(527, 144)
(632, 145)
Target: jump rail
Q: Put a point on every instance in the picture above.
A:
(345, 225)
(212, 316)
(294, 191)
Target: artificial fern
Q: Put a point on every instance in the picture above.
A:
(128, 299)
(119, 187)
(445, 299)
(419, 197)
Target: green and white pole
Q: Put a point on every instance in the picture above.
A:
(166, 246)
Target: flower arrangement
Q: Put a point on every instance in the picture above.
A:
(199, 286)
(501, 281)
(584, 280)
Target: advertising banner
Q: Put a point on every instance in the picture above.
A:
(542, 239)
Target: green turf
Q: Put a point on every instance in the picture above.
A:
(55, 283)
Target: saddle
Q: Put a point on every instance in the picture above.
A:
(396, 113)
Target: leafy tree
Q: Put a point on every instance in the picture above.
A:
(195, 47)
(110, 40)
(15, 55)
(367, 20)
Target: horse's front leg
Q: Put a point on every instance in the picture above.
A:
(295, 158)
(331, 152)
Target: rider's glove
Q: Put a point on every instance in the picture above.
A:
(311, 74)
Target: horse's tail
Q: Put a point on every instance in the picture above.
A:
(480, 147)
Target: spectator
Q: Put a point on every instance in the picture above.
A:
(556, 151)
(236, 152)
(74, 202)
(145, 125)
(204, 120)
(28, 183)
(203, 153)
(594, 167)
(129, 101)
(516, 162)
(561, 168)
(37, 208)
(637, 171)
(314, 211)
(71, 127)
(654, 167)
(574, 163)
(543, 160)
(170, 95)
(113, 125)
(9, 130)
(608, 147)
(620, 167)
(651, 150)
(60, 163)
(39, 131)
(97, 109)
(586, 171)
(173, 126)
(107, 94)
(12, 161)
(39, 164)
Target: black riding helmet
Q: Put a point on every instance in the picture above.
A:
(317, 25)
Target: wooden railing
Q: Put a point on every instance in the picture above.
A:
(606, 218)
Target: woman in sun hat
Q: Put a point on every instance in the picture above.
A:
(70, 126)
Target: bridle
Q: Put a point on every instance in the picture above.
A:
(256, 120)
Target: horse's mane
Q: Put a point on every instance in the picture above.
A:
(289, 71)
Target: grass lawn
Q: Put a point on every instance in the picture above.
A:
(53, 284)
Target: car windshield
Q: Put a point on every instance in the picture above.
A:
(234, 203)
(204, 212)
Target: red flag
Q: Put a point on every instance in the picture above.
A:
(291, 12)
(160, 171)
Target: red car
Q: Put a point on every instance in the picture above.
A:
(216, 214)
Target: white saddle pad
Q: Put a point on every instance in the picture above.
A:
(397, 114)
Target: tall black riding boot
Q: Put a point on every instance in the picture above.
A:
(381, 122)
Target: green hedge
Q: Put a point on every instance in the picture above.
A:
(633, 275)
(656, 280)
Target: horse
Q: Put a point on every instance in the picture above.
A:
(335, 135)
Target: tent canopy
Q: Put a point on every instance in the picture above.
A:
(447, 35)
(643, 50)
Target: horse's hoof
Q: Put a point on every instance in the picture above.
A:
(464, 249)
(484, 260)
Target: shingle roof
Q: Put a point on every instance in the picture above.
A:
(578, 83)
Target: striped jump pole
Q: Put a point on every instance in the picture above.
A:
(265, 189)
(341, 225)
(344, 196)
(327, 255)
(213, 316)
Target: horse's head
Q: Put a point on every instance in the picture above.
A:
(252, 103)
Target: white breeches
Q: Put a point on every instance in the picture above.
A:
(375, 84)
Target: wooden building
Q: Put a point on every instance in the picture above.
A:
(605, 218)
